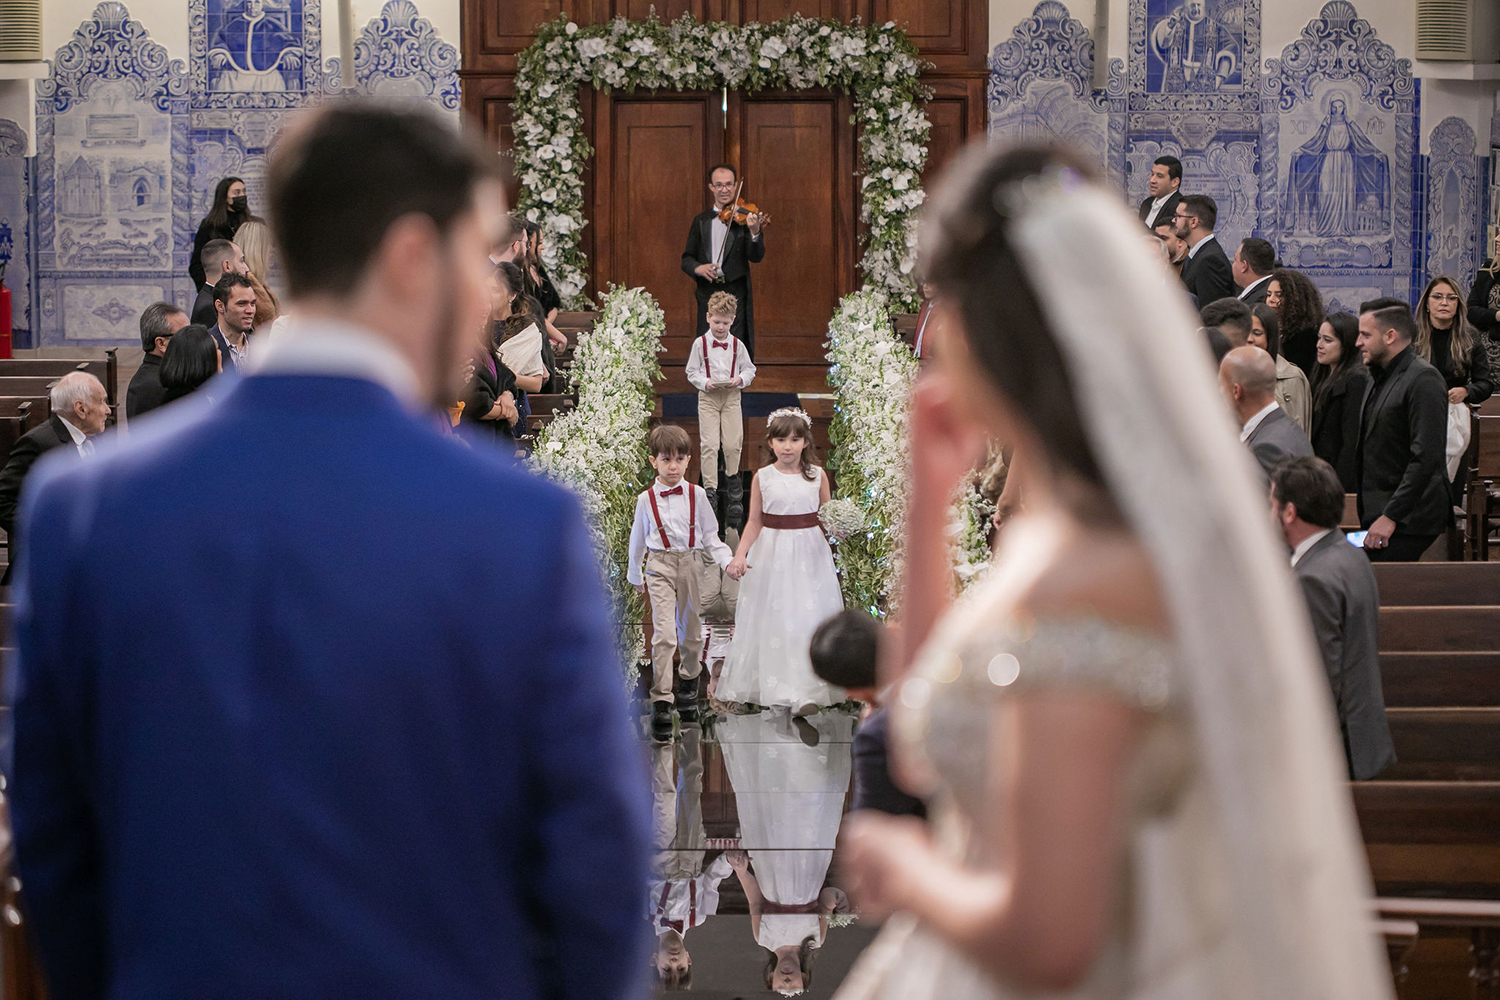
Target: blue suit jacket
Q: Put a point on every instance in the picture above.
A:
(315, 737)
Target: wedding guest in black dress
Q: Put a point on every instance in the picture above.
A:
(1339, 387)
(1299, 308)
(230, 210)
(1447, 340)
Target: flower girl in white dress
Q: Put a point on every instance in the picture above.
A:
(789, 586)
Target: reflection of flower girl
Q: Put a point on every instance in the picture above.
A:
(789, 583)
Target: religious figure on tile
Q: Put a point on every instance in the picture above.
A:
(1339, 183)
(1199, 52)
(254, 50)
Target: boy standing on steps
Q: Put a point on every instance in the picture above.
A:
(719, 367)
(674, 526)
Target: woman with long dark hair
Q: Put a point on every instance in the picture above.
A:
(490, 391)
(1293, 392)
(192, 359)
(1338, 393)
(1299, 309)
(1484, 303)
(230, 210)
(1142, 793)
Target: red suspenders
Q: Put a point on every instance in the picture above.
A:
(692, 492)
(734, 357)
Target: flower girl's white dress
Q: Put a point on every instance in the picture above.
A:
(789, 590)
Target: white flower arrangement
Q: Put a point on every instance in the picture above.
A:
(599, 449)
(968, 532)
(841, 518)
(871, 372)
(877, 64)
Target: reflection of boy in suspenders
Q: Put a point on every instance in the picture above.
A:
(674, 525)
(719, 366)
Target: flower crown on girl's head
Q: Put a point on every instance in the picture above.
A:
(792, 411)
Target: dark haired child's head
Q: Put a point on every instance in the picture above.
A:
(671, 450)
(844, 650)
(672, 963)
(789, 435)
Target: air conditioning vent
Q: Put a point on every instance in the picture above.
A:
(1458, 30)
(20, 30)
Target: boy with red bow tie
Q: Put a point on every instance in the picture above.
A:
(719, 367)
(674, 527)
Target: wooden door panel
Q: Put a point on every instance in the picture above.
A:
(952, 34)
(666, 10)
(493, 31)
(957, 115)
(659, 149)
(766, 11)
(487, 100)
(790, 157)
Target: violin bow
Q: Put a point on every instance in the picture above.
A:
(723, 248)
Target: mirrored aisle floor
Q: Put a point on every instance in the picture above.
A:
(744, 888)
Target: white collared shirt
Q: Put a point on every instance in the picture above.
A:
(719, 359)
(1307, 543)
(331, 347)
(1254, 421)
(645, 533)
(1253, 286)
(1156, 205)
(688, 901)
(1193, 250)
(719, 232)
(80, 439)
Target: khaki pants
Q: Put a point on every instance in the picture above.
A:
(672, 582)
(719, 422)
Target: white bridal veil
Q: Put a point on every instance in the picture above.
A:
(1264, 723)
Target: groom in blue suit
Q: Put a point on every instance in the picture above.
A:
(352, 723)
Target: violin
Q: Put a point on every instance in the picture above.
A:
(740, 211)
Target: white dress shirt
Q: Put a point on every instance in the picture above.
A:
(1156, 204)
(1254, 285)
(645, 533)
(1193, 250)
(719, 362)
(685, 903)
(1254, 421)
(1307, 543)
(330, 347)
(80, 440)
(718, 233)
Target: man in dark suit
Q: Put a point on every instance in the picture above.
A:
(1248, 378)
(1164, 184)
(298, 753)
(234, 307)
(1254, 261)
(219, 257)
(1205, 270)
(159, 321)
(1307, 501)
(1403, 436)
(718, 256)
(80, 409)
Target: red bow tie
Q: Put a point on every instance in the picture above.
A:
(721, 344)
(675, 491)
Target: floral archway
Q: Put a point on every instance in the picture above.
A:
(876, 64)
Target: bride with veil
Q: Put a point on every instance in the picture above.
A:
(1123, 735)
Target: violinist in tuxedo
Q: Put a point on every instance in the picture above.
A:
(718, 255)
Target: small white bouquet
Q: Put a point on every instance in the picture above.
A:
(841, 518)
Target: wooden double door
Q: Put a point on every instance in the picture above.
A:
(795, 153)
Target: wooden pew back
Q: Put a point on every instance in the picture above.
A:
(106, 370)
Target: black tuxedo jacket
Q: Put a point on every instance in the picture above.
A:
(145, 392)
(28, 448)
(1258, 295)
(1207, 273)
(740, 251)
(1403, 435)
(204, 312)
(1344, 604)
(1167, 210)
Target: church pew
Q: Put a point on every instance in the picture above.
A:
(27, 385)
(11, 429)
(1441, 679)
(1480, 918)
(1430, 629)
(1444, 744)
(543, 402)
(36, 409)
(1447, 584)
(106, 370)
(1432, 838)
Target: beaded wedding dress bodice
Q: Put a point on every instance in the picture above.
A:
(1166, 938)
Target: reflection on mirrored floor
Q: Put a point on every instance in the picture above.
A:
(742, 897)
